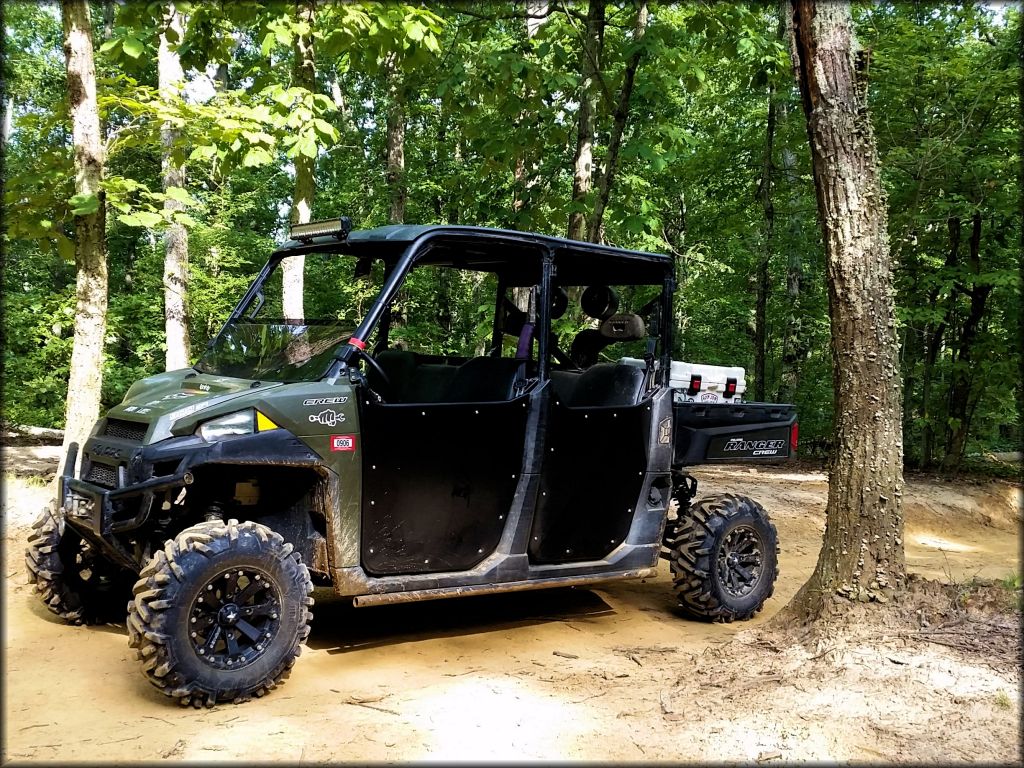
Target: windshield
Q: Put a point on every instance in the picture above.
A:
(274, 350)
(294, 337)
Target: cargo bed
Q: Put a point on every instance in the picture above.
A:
(707, 433)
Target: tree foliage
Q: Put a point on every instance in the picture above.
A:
(483, 98)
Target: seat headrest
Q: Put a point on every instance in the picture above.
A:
(624, 327)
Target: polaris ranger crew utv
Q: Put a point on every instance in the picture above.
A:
(382, 440)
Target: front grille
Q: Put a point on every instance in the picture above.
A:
(126, 430)
(102, 474)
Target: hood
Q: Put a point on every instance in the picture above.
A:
(166, 398)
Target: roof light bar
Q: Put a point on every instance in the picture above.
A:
(338, 228)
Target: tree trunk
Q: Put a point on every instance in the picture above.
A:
(536, 11)
(86, 376)
(396, 143)
(794, 345)
(763, 284)
(961, 402)
(595, 228)
(935, 338)
(583, 162)
(303, 76)
(862, 553)
(171, 78)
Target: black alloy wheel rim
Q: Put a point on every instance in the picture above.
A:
(234, 618)
(739, 561)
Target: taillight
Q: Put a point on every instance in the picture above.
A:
(695, 381)
(730, 387)
(794, 434)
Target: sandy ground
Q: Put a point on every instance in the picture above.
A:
(611, 674)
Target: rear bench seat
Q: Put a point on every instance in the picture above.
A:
(601, 384)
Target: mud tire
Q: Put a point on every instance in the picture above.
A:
(70, 576)
(695, 545)
(174, 579)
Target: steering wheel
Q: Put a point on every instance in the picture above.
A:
(388, 389)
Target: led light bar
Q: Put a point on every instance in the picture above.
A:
(338, 228)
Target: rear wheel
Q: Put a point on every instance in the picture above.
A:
(724, 556)
(71, 577)
(220, 613)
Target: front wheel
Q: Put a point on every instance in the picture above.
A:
(72, 578)
(724, 556)
(220, 613)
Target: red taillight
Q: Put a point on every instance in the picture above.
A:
(695, 381)
(730, 387)
(794, 434)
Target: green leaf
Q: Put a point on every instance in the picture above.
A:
(84, 205)
(257, 156)
(181, 195)
(133, 47)
(268, 43)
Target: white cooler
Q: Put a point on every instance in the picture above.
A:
(693, 382)
(696, 383)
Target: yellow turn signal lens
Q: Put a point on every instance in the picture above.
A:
(263, 423)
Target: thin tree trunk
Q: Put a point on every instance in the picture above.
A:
(960, 393)
(935, 339)
(535, 9)
(595, 228)
(794, 345)
(171, 78)
(862, 553)
(583, 161)
(303, 76)
(8, 123)
(86, 376)
(763, 284)
(396, 144)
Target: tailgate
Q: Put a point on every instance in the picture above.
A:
(733, 432)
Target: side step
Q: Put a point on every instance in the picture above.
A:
(388, 598)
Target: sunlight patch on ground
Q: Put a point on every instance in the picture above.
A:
(945, 545)
(491, 719)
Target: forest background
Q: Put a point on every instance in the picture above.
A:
(489, 114)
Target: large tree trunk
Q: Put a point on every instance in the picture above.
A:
(396, 144)
(590, 72)
(86, 377)
(595, 228)
(862, 552)
(762, 281)
(303, 76)
(171, 79)
(962, 400)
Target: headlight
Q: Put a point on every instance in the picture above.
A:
(241, 423)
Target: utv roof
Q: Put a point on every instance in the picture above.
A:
(509, 252)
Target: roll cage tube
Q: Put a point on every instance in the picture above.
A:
(416, 249)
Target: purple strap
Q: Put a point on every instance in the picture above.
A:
(525, 338)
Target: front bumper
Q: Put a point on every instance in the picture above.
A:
(98, 513)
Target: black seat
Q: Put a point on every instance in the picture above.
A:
(485, 379)
(607, 384)
(563, 383)
(399, 366)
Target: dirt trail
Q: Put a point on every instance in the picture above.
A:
(606, 674)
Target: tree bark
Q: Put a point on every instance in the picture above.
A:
(303, 76)
(862, 553)
(86, 375)
(396, 143)
(595, 227)
(171, 78)
(583, 161)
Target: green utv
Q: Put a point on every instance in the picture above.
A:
(394, 445)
